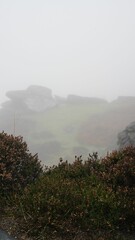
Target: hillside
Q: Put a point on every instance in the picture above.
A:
(56, 127)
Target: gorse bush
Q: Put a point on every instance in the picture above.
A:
(93, 196)
(118, 174)
(74, 196)
(78, 169)
(18, 167)
(65, 199)
(119, 169)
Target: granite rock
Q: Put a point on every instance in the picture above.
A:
(127, 136)
(34, 98)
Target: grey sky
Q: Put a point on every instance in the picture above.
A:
(84, 47)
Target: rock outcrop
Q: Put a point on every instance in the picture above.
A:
(127, 136)
(125, 100)
(34, 98)
(78, 99)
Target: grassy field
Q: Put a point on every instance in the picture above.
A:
(92, 127)
(63, 123)
(71, 129)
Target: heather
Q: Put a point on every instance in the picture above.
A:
(93, 196)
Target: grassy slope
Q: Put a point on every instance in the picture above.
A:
(64, 123)
(73, 129)
(92, 126)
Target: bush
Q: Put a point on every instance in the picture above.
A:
(18, 167)
(94, 196)
(118, 174)
(61, 206)
(65, 198)
(119, 168)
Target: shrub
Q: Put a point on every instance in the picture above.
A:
(93, 196)
(62, 206)
(18, 167)
(119, 168)
(65, 198)
(118, 174)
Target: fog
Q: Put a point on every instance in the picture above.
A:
(77, 47)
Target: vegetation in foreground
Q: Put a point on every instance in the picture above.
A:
(95, 197)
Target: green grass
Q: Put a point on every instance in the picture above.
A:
(89, 125)
(64, 123)
(94, 126)
(57, 119)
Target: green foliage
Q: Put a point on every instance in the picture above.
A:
(61, 205)
(77, 196)
(94, 196)
(118, 173)
(119, 168)
(18, 167)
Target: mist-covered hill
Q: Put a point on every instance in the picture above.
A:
(64, 127)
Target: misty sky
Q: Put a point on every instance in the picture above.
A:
(83, 47)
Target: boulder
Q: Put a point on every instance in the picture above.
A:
(35, 98)
(127, 136)
(5, 236)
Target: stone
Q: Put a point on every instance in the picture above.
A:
(34, 98)
(127, 136)
(5, 236)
